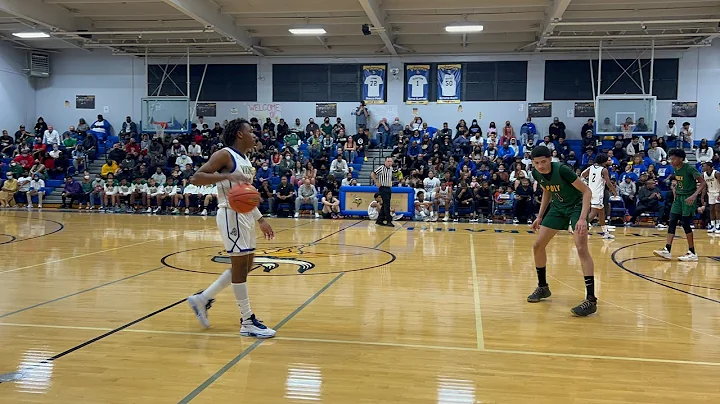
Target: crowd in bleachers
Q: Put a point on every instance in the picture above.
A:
(459, 171)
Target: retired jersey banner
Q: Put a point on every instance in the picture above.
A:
(449, 80)
(374, 84)
(417, 79)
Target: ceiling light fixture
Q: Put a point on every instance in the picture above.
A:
(31, 35)
(463, 29)
(308, 31)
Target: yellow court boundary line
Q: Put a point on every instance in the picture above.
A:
(476, 298)
(383, 344)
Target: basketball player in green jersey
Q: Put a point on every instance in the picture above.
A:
(565, 201)
(690, 184)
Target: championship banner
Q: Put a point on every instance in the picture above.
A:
(374, 84)
(449, 80)
(418, 84)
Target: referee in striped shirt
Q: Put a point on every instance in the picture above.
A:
(382, 176)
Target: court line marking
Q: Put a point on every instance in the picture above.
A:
(80, 292)
(204, 385)
(110, 283)
(100, 252)
(476, 298)
(383, 344)
(121, 247)
(636, 312)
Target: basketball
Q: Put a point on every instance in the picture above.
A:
(243, 198)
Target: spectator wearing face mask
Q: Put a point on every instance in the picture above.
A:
(310, 128)
(396, 130)
(528, 130)
(7, 193)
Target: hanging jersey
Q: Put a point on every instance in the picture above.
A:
(713, 185)
(448, 86)
(417, 86)
(373, 83)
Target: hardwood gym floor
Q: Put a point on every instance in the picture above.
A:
(92, 310)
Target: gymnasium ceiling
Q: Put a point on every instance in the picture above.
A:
(260, 27)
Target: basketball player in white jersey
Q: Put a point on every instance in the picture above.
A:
(225, 168)
(443, 196)
(712, 179)
(598, 178)
(375, 207)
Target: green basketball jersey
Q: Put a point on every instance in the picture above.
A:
(686, 177)
(559, 183)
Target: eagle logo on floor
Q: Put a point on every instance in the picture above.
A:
(270, 259)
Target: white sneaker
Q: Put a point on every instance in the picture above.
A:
(397, 216)
(664, 253)
(296, 215)
(688, 257)
(717, 231)
(198, 304)
(317, 215)
(660, 226)
(611, 228)
(608, 236)
(30, 206)
(515, 220)
(446, 218)
(204, 212)
(252, 327)
(711, 229)
(175, 211)
(156, 210)
(187, 211)
(149, 210)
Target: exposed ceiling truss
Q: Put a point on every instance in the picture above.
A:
(397, 27)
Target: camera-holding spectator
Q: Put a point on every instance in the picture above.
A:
(307, 194)
(361, 116)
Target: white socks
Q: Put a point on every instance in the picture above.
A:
(241, 296)
(220, 283)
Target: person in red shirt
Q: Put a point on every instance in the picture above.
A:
(132, 148)
(25, 159)
(39, 147)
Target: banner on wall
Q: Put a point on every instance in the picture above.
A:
(417, 79)
(205, 109)
(374, 84)
(262, 111)
(325, 109)
(84, 102)
(449, 83)
(540, 109)
(585, 109)
(684, 109)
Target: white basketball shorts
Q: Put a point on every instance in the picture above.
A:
(597, 201)
(713, 198)
(237, 231)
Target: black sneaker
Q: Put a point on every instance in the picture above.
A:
(585, 308)
(541, 292)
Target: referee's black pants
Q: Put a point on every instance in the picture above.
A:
(385, 216)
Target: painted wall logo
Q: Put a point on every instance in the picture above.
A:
(270, 260)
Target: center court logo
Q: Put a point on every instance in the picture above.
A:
(271, 259)
(285, 260)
